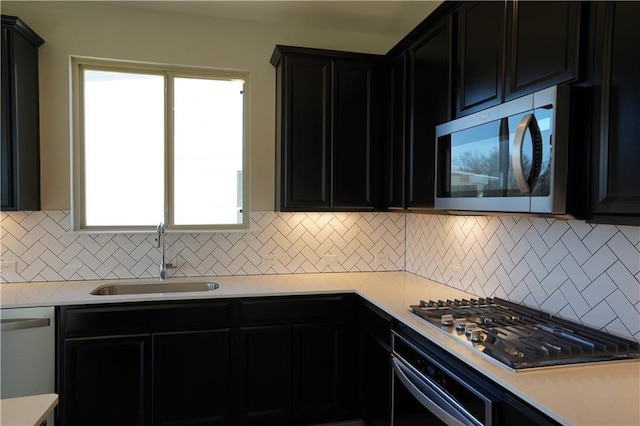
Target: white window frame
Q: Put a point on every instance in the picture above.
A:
(78, 212)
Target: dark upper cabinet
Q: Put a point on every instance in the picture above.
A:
(327, 113)
(429, 74)
(419, 99)
(508, 49)
(480, 55)
(615, 175)
(20, 169)
(542, 45)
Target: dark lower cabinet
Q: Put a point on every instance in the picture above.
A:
(517, 412)
(191, 378)
(374, 366)
(265, 374)
(297, 359)
(615, 194)
(106, 381)
(267, 361)
(145, 364)
(319, 390)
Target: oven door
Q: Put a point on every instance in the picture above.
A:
(419, 400)
(429, 390)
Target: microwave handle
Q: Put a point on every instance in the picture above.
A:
(526, 184)
(428, 397)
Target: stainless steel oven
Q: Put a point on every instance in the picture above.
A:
(428, 389)
(509, 158)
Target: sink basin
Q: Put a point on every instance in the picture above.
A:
(115, 289)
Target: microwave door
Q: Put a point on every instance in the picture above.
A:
(475, 170)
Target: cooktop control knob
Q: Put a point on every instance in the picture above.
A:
(460, 323)
(447, 319)
(468, 327)
(477, 335)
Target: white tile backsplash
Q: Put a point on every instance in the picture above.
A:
(45, 251)
(583, 272)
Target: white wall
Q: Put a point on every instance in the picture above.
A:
(103, 30)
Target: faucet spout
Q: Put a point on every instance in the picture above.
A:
(160, 236)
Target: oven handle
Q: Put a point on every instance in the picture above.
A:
(431, 397)
(526, 184)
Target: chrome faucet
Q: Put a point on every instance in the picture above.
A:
(160, 235)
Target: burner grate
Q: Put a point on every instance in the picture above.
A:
(522, 337)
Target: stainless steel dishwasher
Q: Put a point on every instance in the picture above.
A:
(27, 352)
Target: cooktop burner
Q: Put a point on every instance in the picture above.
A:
(520, 337)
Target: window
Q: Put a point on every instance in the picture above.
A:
(158, 144)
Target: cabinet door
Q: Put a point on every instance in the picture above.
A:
(322, 388)
(353, 132)
(105, 381)
(306, 155)
(617, 146)
(429, 100)
(20, 129)
(6, 168)
(191, 378)
(480, 55)
(375, 381)
(542, 45)
(266, 375)
(396, 136)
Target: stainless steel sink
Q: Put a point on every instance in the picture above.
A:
(133, 288)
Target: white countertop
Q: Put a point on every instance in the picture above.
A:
(594, 394)
(27, 410)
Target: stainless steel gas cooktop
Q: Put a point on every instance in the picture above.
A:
(520, 337)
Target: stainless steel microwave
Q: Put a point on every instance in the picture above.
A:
(508, 158)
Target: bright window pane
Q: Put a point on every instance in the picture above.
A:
(208, 151)
(123, 148)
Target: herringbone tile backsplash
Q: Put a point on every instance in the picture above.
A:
(279, 243)
(582, 272)
(587, 273)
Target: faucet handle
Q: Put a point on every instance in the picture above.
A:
(159, 234)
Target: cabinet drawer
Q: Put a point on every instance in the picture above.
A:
(142, 318)
(292, 310)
